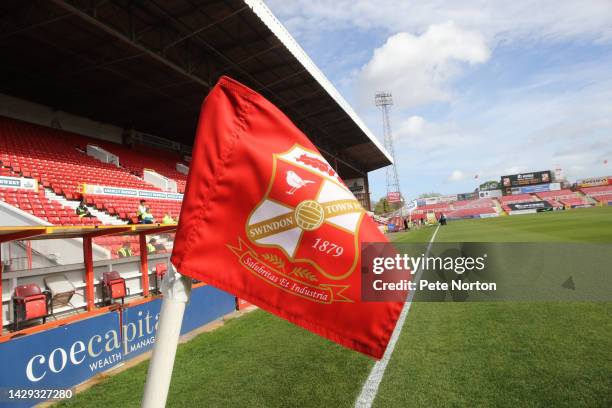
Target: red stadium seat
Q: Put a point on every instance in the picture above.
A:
(602, 194)
(160, 272)
(29, 303)
(114, 286)
(50, 156)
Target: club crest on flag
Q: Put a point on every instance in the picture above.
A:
(265, 217)
(306, 227)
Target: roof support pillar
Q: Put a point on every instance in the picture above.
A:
(89, 273)
(144, 263)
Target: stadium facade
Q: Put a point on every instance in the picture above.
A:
(514, 194)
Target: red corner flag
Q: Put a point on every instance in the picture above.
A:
(266, 218)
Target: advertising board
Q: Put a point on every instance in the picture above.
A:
(20, 183)
(65, 356)
(394, 197)
(489, 185)
(490, 193)
(467, 196)
(131, 192)
(525, 179)
(532, 205)
(594, 181)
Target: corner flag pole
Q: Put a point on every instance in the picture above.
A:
(177, 290)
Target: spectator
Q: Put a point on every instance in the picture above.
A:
(142, 209)
(168, 219)
(151, 246)
(125, 251)
(82, 210)
(147, 217)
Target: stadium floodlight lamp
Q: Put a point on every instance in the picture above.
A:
(383, 98)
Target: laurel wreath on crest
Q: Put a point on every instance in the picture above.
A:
(274, 260)
(298, 271)
(303, 273)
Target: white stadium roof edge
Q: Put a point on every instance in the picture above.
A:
(266, 15)
(148, 65)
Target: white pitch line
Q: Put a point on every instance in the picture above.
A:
(370, 387)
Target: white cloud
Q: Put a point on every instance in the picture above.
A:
(500, 19)
(456, 175)
(540, 114)
(428, 138)
(413, 126)
(417, 68)
(526, 128)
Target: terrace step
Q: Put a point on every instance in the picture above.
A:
(105, 218)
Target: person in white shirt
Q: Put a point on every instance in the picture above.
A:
(142, 209)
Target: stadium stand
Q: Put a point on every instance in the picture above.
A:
(478, 203)
(37, 204)
(148, 98)
(145, 157)
(421, 212)
(51, 157)
(566, 198)
(470, 208)
(113, 243)
(125, 207)
(440, 207)
(602, 194)
(515, 199)
(56, 159)
(457, 209)
(469, 213)
(7, 172)
(437, 207)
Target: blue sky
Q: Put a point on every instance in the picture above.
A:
(480, 87)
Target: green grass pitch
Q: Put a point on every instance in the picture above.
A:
(539, 354)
